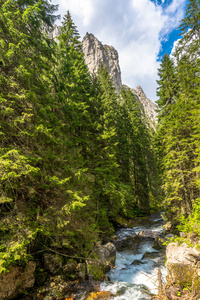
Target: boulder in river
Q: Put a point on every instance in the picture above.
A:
(137, 262)
(148, 254)
(149, 234)
(126, 242)
(105, 256)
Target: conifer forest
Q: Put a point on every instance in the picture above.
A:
(76, 157)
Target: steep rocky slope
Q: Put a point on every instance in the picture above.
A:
(149, 106)
(95, 53)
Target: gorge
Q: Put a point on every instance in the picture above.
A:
(86, 162)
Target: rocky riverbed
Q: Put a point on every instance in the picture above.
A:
(137, 263)
(132, 259)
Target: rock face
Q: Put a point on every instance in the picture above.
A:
(149, 107)
(96, 53)
(54, 33)
(15, 282)
(183, 267)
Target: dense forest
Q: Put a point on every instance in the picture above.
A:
(77, 158)
(178, 134)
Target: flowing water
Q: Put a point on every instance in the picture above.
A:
(134, 276)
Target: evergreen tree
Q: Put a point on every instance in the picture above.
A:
(24, 86)
(41, 195)
(136, 157)
(106, 173)
(190, 29)
(190, 24)
(167, 86)
(178, 131)
(189, 44)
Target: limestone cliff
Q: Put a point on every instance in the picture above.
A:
(96, 53)
(54, 32)
(149, 107)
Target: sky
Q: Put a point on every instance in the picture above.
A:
(142, 31)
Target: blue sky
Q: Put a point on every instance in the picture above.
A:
(140, 30)
(168, 43)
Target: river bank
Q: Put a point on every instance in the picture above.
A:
(133, 259)
(132, 277)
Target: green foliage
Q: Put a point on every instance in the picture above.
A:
(192, 223)
(167, 87)
(178, 132)
(74, 155)
(190, 28)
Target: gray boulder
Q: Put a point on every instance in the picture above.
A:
(149, 234)
(183, 266)
(105, 256)
(127, 242)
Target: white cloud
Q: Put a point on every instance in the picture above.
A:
(81, 9)
(174, 13)
(134, 27)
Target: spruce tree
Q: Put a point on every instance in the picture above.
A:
(167, 86)
(135, 156)
(106, 173)
(178, 131)
(24, 86)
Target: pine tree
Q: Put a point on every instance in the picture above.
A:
(178, 131)
(189, 44)
(167, 86)
(106, 173)
(135, 156)
(24, 86)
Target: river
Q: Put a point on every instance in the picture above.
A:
(135, 274)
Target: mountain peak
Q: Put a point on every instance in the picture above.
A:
(96, 53)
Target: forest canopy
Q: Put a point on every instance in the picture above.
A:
(75, 156)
